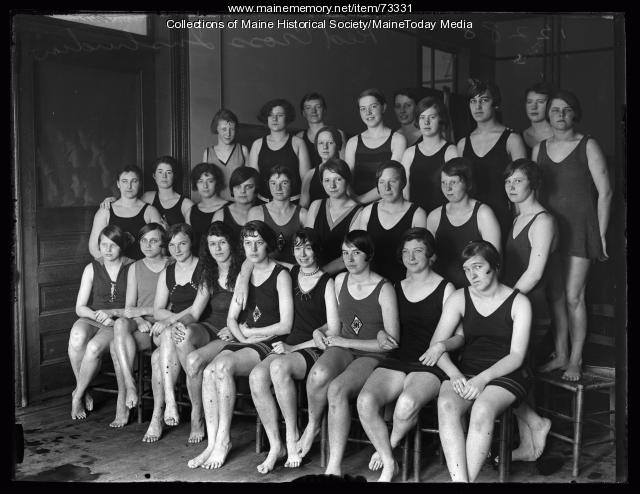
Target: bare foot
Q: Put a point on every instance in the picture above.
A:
(154, 432)
(306, 441)
(293, 457)
(122, 418)
(88, 401)
(77, 408)
(171, 415)
(218, 456)
(331, 470)
(376, 462)
(539, 434)
(270, 461)
(572, 373)
(553, 364)
(131, 399)
(201, 458)
(389, 471)
(197, 430)
(524, 452)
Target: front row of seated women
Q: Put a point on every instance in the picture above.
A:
(345, 337)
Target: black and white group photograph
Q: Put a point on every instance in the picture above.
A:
(328, 243)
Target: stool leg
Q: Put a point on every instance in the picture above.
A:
(612, 412)
(417, 452)
(505, 445)
(577, 429)
(140, 384)
(405, 458)
(324, 440)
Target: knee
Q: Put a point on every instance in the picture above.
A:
(119, 326)
(482, 416)
(318, 377)
(575, 298)
(259, 379)
(187, 339)
(77, 338)
(447, 407)
(165, 337)
(194, 364)
(94, 350)
(280, 371)
(367, 404)
(223, 367)
(337, 391)
(406, 407)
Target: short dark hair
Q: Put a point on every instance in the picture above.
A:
(281, 170)
(460, 167)
(376, 93)
(528, 167)
(131, 169)
(541, 87)
(262, 229)
(310, 235)
(168, 160)
(312, 96)
(569, 98)
(484, 249)
(222, 114)
(392, 165)
(339, 166)
(241, 175)
(211, 169)
(118, 236)
(361, 239)
(149, 227)
(289, 111)
(422, 235)
(431, 102)
(180, 228)
(408, 92)
(478, 87)
(335, 134)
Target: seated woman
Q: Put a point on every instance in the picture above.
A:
(104, 283)
(367, 151)
(243, 186)
(227, 154)
(315, 316)
(333, 217)
(328, 144)
(279, 148)
(313, 108)
(128, 213)
(280, 214)
(268, 318)
(530, 254)
(132, 331)
(369, 314)
(404, 105)
(460, 221)
(493, 372)
(423, 161)
(402, 376)
(208, 181)
(387, 219)
(171, 205)
(177, 289)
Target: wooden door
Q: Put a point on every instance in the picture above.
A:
(84, 108)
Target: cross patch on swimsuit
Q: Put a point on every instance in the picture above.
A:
(256, 314)
(281, 241)
(356, 324)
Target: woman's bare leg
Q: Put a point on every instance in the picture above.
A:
(451, 408)
(157, 386)
(125, 349)
(81, 333)
(557, 300)
(170, 372)
(533, 430)
(122, 412)
(210, 405)
(578, 269)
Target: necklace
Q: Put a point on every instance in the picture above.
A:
(310, 274)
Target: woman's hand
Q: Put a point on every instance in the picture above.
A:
(335, 341)
(178, 333)
(281, 347)
(144, 326)
(158, 327)
(318, 339)
(386, 341)
(108, 322)
(101, 316)
(605, 255)
(240, 296)
(433, 354)
(225, 334)
(474, 387)
(132, 312)
(458, 383)
(106, 204)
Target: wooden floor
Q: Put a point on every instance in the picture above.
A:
(59, 449)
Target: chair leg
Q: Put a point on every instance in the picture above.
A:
(405, 458)
(324, 441)
(505, 445)
(140, 383)
(417, 452)
(577, 429)
(612, 412)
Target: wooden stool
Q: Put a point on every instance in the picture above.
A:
(593, 379)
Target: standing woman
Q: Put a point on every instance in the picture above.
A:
(367, 151)
(103, 284)
(227, 154)
(405, 108)
(243, 185)
(423, 161)
(279, 148)
(460, 221)
(489, 148)
(577, 191)
(315, 315)
(386, 220)
(493, 371)
(313, 108)
(332, 217)
(369, 314)
(132, 331)
(208, 180)
(128, 212)
(403, 376)
(328, 143)
(530, 255)
(536, 100)
(267, 318)
(280, 214)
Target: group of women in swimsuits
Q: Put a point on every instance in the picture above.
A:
(377, 278)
